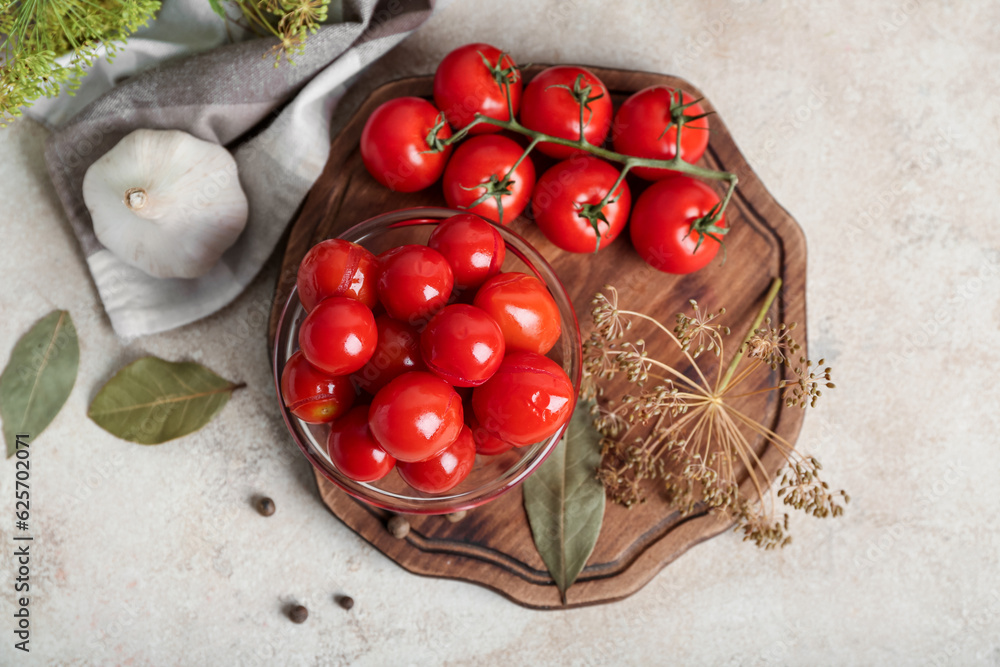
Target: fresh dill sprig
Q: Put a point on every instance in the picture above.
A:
(47, 44)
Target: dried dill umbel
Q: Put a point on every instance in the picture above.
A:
(291, 21)
(686, 433)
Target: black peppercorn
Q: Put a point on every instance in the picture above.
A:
(298, 614)
(265, 506)
(345, 601)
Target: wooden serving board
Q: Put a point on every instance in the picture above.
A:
(493, 546)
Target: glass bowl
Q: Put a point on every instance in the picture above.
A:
(492, 475)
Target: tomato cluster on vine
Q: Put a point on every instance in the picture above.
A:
(424, 356)
(472, 138)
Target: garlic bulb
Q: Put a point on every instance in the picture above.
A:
(166, 202)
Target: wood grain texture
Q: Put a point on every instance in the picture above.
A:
(492, 546)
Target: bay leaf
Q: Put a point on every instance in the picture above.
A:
(565, 501)
(39, 377)
(151, 400)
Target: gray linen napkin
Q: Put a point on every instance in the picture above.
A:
(276, 121)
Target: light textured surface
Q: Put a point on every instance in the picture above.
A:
(875, 124)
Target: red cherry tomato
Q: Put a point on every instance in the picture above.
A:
(555, 111)
(563, 191)
(394, 144)
(479, 160)
(312, 395)
(415, 416)
(639, 130)
(473, 247)
(414, 282)
(354, 451)
(337, 268)
(523, 308)
(396, 352)
(465, 86)
(487, 442)
(443, 471)
(338, 336)
(462, 345)
(661, 225)
(527, 400)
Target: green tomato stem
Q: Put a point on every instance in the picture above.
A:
(531, 147)
(614, 188)
(674, 164)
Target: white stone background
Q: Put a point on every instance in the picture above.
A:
(155, 556)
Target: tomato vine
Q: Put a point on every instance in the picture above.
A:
(679, 119)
